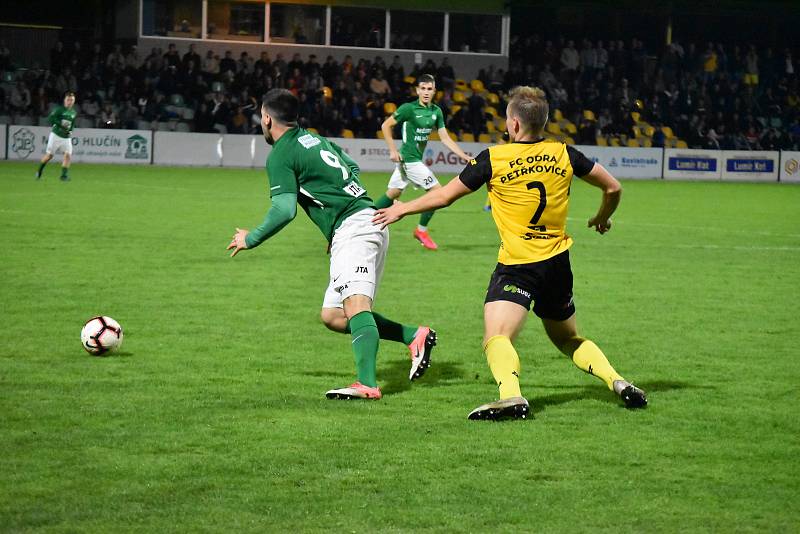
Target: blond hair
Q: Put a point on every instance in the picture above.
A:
(529, 105)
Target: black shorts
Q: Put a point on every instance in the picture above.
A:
(547, 284)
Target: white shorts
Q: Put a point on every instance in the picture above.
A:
(358, 252)
(416, 173)
(56, 143)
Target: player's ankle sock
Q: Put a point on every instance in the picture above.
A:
(41, 167)
(392, 331)
(64, 172)
(424, 219)
(383, 202)
(504, 363)
(365, 336)
(591, 359)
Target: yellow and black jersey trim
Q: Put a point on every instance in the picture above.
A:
(478, 171)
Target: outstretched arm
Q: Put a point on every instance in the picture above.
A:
(386, 128)
(436, 198)
(612, 192)
(452, 145)
(281, 213)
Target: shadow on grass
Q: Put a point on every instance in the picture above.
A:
(395, 374)
(600, 393)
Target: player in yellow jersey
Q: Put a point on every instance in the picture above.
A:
(529, 182)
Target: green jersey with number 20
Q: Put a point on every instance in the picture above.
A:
(321, 174)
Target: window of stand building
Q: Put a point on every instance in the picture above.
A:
(299, 24)
(417, 30)
(475, 33)
(172, 18)
(361, 27)
(236, 21)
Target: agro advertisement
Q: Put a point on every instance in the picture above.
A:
(790, 166)
(687, 163)
(88, 144)
(750, 166)
(373, 155)
(627, 162)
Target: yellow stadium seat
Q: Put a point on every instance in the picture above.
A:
(493, 99)
(468, 138)
(477, 86)
(347, 134)
(455, 109)
(635, 115)
(434, 136)
(634, 143)
(461, 85)
(553, 128)
(558, 116)
(490, 110)
(571, 128)
(614, 141)
(569, 140)
(501, 124)
(681, 144)
(459, 97)
(649, 131)
(647, 142)
(668, 132)
(409, 80)
(588, 114)
(439, 95)
(327, 93)
(601, 141)
(379, 134)
(313, 130)
(636, 131)
(484, 138)
(389, 108)
(490, 127)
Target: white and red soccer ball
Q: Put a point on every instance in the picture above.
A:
(101, 335)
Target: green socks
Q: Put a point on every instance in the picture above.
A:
(41, 167)
(425, 218)
(390, 330)
(365, 336)
(383, 202)
(64, 172)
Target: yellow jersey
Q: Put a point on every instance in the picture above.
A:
(528, 185)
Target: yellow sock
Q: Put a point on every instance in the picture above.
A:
(504, 363)
(591, 359)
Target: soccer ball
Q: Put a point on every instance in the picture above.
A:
(100, 335)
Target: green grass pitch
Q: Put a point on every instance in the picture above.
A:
(213, 416)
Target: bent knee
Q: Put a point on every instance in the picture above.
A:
(333, 319)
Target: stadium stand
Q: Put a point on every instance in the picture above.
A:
(609, 94)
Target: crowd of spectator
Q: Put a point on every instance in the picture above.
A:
(712, 96)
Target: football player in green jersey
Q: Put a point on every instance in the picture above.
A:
(63, 120)
(417, 119)
(307, 169)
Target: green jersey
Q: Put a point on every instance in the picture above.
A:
(63, 120)
(417, 122)
(321, 174)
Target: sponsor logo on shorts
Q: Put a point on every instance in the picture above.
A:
(514, 289)
(23, 143)
(362, 269)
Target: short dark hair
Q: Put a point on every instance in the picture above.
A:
(69, 93)
(282, 105)
(426, 78)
